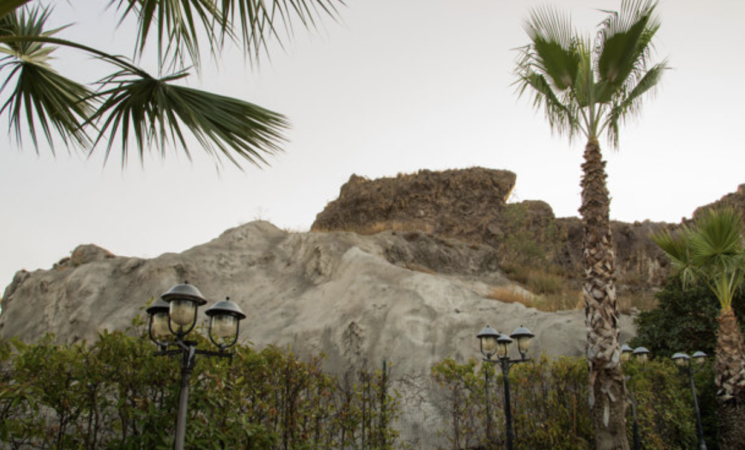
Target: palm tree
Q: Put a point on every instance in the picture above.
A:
(589, 87)
(131, 103)
(713, 251)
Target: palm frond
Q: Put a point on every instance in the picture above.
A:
(178, 26)
(584, 86)
(40, 93)
(179, 23)
(561, 116)
(553, 47)
(155, 112)
(712, 249)
(10, 6)
(630, 104)
(724, 284)
(677, 249)
(259, 20)
(716, 240)
(624, 42)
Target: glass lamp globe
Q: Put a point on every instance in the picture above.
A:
(503, 346)
(158, 320)
(681, 359)
(223, 326)
(225, 317)
(183, 301)
(523, 336)
(699, 357)
(182, 312)
(488, 340)
(642, 354)
(626, 352)
(160, 324)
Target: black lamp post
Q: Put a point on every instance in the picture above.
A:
(493, 343)
(175, 313)
(684, 362)
(641, 354)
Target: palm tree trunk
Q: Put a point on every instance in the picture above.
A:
(730, 380)
(607, 387)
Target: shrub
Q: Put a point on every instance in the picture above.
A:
(685, 320)
(117, 394)
(550, 404)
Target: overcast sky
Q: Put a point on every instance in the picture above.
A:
(395, 86)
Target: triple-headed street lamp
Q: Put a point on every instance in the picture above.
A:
(684, 362)
(175, 314)
(497, 344)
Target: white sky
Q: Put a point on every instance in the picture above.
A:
(397, 86)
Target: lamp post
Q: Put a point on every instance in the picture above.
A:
(493, 343)
(641, 354)
(175, 313)
(684, 362)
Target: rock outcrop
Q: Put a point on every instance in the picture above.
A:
(454, 203)
(471, 205)
(734, 200)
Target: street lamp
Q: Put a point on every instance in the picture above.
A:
(684, 362)
(175, 313)
(640, 354)
(493, 343)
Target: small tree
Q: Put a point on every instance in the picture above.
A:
(589, 88)
(713, 251)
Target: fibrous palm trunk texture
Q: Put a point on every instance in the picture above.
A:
(607, 387)
(730, 381)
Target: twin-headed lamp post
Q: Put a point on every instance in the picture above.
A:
(497, 344)
(684, 361)
(175, 314)
(641, 354)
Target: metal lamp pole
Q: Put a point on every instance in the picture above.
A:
(491, 341)
(684, 361)
(488, 342)
(642, 354)
(175, 313)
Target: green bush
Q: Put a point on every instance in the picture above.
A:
(550, 405)
(116, 394)
(685, 320)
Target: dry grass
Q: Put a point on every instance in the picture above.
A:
(508, 294)
(560, 301)
(556, 292)
(419, 268)
(380, 226)
(641, 301)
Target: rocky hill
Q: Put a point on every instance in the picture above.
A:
(405, 296)
(422, 273)
(409, 298)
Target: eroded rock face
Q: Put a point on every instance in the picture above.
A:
(640, 264)
(471, 205)
(453, 203)
(397, 293)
